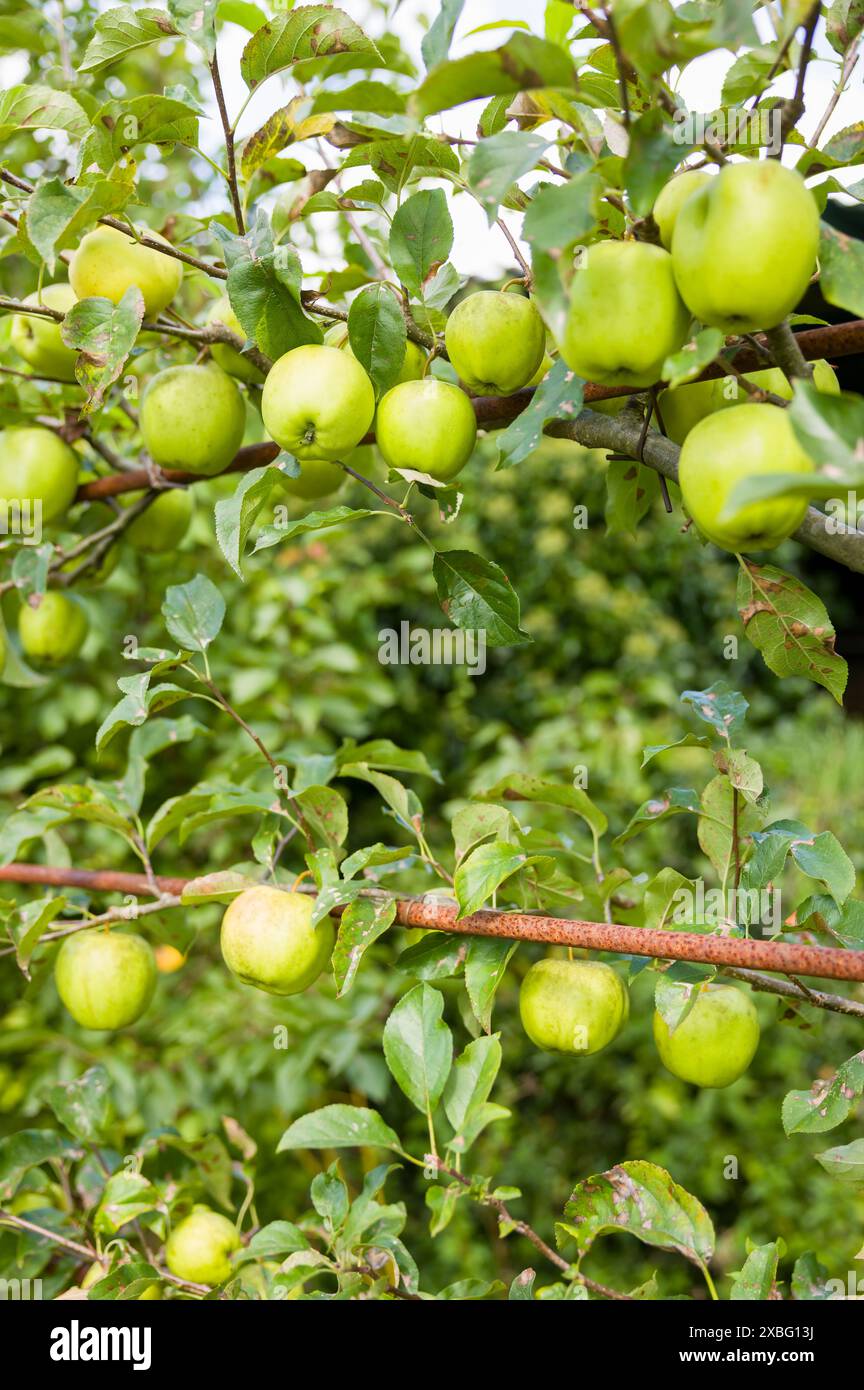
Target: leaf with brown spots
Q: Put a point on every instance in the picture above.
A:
(790, 626)
(644, 1200)
(312, 31)
(827, 1103)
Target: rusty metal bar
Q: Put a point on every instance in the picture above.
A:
(786, 958)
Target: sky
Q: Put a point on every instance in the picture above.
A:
(479, 250)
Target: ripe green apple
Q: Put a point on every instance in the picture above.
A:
(165, 522)
(38, 340)
(268, 940)
(105, 978)
(495, 341)
(413, 363)
(716, 1041)
(99, 1271)
(108, 261)
(625, 315)
(318, 478)
(231, 361)
(428, 426)
(193, 418)
(199, 1247)
(54, 631)
(671, 199)
(573, 1005)
(725, 448)
(744, 246)
(36, 466)
(317, 402)
(685, 406)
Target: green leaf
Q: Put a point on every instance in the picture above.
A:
(720, 706)
(394, 162)
(435, 44)
(558, 397)
(339, 1127)
(828, 1102)
(310, 31)
(121, 31)
(809, 1279)
(642, 1199)
(845, 1163)
(236, 515)
(27, 1149)
(436, 957)
(326, 813)
(717, 822)
(692, 359)
(790, 626)
(421, 237)
(841, 261)
(196, 20)
(363, 921)
(497, 163)
(485, 964)
(471, 1080)
(277, 1238)
(652, 155)
(194, 613)
(673, 802)
(83, 1106)
(103, 334)
(523, 63)
(483, 872)
(312, 521)
(125, 1197)
(376, 331)
(34, 917)
(755, 1282)
(525, 786)
(476, 595)
(563, 213)
(830, 429)
(631, 490)
(32, 107)
(418, 1046)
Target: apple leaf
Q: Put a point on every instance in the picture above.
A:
(103, 335)
(485, 963)
(30, 107)
(790, 626)
(194, 613)
(477, 596)
(264, 283)
(562, 213)
(418, 1046)
(652, 155)
(643, 1199)
(339, 1127)
(421, 237)
(524, 786)
(841, 261)
(83, 1106)
(121, 31)
(755, 1281)
(845, 1163)
(310, 31)
(558, 397)
(235, 516)
(523, 63)
(631, 490)
(828, 1102)
(363, 921)
(673, 802)
(27, 1149)
(692, 359)
(484, 870)
(376, 331)
(470, 1081)
(497, 163)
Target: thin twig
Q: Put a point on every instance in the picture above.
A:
(236, 200)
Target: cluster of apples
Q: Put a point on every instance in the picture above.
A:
(579, 1007)
(631, 307)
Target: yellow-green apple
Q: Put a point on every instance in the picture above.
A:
(317, 478)
(413, 363)
(109, 261)
(573, 1005)
(165, 522)
(199, 1248)
(715, 1042)
(38, 340)
(317, 402)
(744, 246)
(37, 467)
(105, 978)
(625, 315)
(495, 341)
(268, 940)
(685, 406)
(229, 359)
(722, 450)
(193, 418)
(54, 630)
(671, 198)
(428, 426)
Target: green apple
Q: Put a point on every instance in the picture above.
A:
(744, 246)
(727, 447)
(495, 341)
(685, 406)
(428, 426)
(199, 1247)
(105, 978)
(317, 402)
(268, 940)
(413, 363)
(193, 418)
(573, 1005)
(671, 199)
(37, 467)
(108, 261)
(625, 315)
(165, 522)
(228, 358)
(715, 1042)
(99, 1271)
(38, 340)
(318, 478)
(53, 631)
